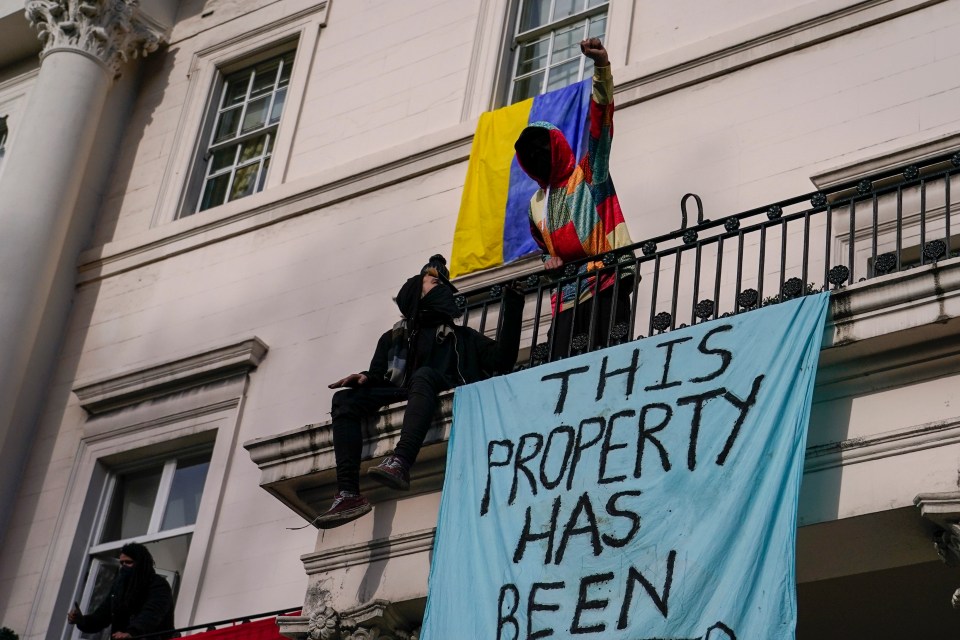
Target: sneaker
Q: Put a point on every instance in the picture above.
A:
(345, 508)
(392, 472)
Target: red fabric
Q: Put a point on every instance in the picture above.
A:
(610, 213)
(567, 243)
(562, 161)
(265, 629)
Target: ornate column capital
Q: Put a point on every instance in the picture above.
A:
(111, 31)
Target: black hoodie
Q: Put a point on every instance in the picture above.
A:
(462, 355)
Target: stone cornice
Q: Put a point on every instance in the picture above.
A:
(943, 509)
(110, 31)
(134, 386)
(368, 551)
(883, 445)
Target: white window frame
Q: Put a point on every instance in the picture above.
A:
(170, 423)
(153, 533)
(217, 431)
(268, 129)
(488, 80)
(549, 28)
(222, 51)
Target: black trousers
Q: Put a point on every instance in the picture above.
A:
(566, 325)
(350, 406)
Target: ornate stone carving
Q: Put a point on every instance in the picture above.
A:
(110, 30)
(325, 625)
(377, 620)
(947, 543)
(943, 509)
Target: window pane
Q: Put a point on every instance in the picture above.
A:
(265, 78)
(227, 126)
(105, 571)
(236, 89)
(244, 181)
(263, 174)
(222, 159)
(534, 14)
(595, 3)
(287, 69)
(131, 505)
(565, 8)
(170, 557)
(561, 76)
(532, 56)
(598, 27)
(253, 103)
(256, 114)
(527, 87)
(183, 504)
(252, 149)
(566, 43)
(278, 101)
(214, 192)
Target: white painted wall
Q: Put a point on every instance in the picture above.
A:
(317, 287)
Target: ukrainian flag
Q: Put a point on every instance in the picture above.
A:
(492, 227)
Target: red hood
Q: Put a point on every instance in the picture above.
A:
(562, 160)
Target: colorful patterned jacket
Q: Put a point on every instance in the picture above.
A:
(577, 214)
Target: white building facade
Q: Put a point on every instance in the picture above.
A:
(206, 208)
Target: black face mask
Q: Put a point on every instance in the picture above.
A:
(438, 306)
(534, 153)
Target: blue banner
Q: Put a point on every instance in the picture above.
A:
(645, 491)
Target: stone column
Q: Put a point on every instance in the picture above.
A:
(85, 42)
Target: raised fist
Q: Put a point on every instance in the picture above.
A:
(593, 49)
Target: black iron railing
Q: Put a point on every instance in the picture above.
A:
(887, 222)
(213, 626)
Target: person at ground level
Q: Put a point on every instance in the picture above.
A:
(422, 355)
(576, 214)
(140, 601)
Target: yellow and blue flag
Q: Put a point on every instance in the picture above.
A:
(492, 227)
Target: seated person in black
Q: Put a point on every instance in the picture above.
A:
(140, 601)
(424, 354)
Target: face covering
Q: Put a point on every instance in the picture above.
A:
(438, 306)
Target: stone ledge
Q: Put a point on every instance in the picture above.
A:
(298, 467)
(144, 383)
(943, 509)
(364, 553)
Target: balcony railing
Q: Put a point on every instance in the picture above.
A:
(887, 222)
(219, 625)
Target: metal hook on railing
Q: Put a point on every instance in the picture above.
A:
(683, 209)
